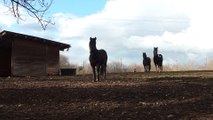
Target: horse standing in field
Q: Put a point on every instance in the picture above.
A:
(146, 63)
(98, 59)
(158, 60)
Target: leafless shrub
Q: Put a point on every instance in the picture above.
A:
(85, 69)
(207, 66)
(116, 67)
(64, 62)
(135, 68)
(190, 65)
(119, 67)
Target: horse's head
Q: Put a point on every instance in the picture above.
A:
(144, 55)
(155, 50)
(92, 43)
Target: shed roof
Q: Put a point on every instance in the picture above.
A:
(62, 46)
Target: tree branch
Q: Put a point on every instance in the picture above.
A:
(35, 8)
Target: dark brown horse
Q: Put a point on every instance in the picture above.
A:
(158, 60)
(98, 59)
(146, 63)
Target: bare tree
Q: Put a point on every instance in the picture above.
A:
(35, 8)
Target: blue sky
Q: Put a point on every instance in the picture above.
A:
(77, 7)
(126, 28)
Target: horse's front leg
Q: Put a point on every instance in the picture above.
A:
(146, 68)
(94, 73)
(156, 67)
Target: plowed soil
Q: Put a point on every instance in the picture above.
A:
(143, 96)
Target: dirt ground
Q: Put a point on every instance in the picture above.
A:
(124, 96)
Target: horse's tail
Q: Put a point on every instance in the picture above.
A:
(103, 68)
(160, 61)
(160, 56)
(104, 58)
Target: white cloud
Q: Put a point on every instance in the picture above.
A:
(126, 28)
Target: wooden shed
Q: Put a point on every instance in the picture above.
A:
(25, 55)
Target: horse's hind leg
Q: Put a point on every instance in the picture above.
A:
(156, 67)
(149, 68)
(104, 72)
(144, 68)
(98, 71)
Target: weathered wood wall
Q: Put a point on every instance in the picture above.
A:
(32, 58)
(5, 58)
(24, 55)
(28, 58)
(52, 60)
